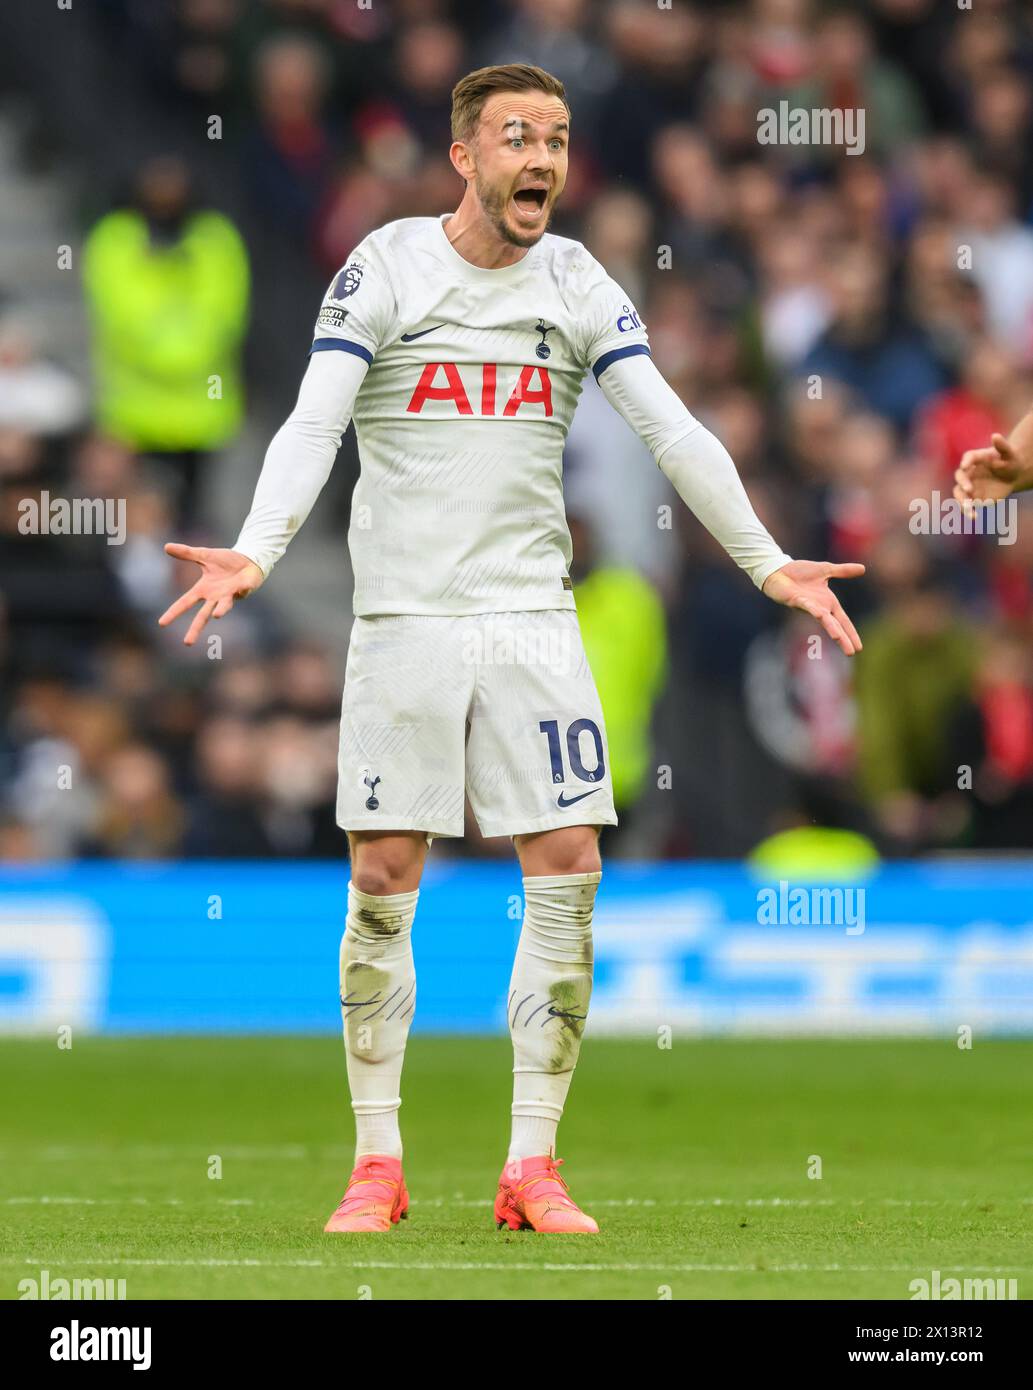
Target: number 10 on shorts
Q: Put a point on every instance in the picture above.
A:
(551, 729)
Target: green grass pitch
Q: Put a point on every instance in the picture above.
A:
(694, 1161)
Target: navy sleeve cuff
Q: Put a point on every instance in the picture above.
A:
(608, 358)
(342, 345)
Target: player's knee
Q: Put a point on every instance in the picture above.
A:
(383, 867)
(368, 879)
(585, 860)
(377, 880)
(563, 852)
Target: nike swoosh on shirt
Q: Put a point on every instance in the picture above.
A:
(410, 337)
(563, 801)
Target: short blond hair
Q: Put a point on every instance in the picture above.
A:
(472, 91)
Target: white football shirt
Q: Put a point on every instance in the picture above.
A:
(473, 378)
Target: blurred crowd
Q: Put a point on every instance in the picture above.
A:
(847, 324)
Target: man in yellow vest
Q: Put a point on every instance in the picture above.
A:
(167, 287)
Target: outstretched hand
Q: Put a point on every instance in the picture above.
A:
(225, 575)
(989, 474)
(804, 584)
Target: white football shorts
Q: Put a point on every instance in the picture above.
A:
(501, 706)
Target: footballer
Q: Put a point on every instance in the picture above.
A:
(458, 345)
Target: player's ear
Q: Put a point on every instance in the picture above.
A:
(462, 159)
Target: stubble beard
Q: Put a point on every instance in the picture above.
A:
(494, 206)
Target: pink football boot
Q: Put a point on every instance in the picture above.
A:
(375, 1199)
(532, 1196)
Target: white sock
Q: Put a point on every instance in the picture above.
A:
(378, 997)
(548, 1004)
(531, 1135)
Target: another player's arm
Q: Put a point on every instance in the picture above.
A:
(996, 471)
(704, 476)
(297, 464)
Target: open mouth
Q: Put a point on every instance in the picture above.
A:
(530, 202)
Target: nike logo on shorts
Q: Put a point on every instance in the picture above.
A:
(563, 801)
(411, 337)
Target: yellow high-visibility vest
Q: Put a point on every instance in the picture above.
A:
(168, 323)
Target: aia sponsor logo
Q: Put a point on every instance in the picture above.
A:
(442, 381)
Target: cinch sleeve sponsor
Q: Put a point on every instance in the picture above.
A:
(611, 327)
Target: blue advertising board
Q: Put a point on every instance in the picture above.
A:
(699, 948)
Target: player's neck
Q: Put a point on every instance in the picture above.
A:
(475, 239)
